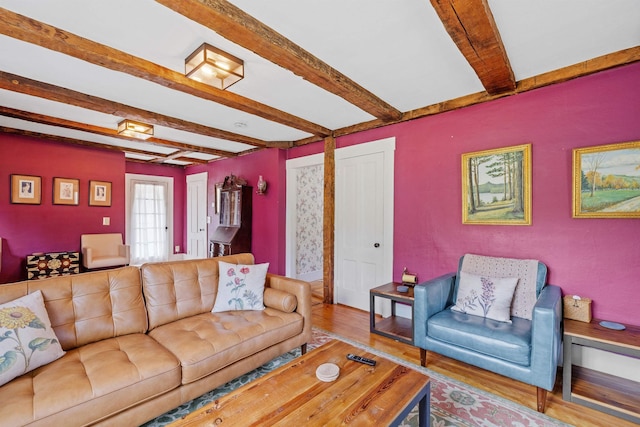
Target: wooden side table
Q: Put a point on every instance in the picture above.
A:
(607, 393)
(395, 327)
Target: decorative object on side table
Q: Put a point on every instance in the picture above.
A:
(409, 278)
(577, 308)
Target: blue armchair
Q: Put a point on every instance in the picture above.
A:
(526, 348)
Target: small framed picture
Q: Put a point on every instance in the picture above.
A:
(65, 191)
(606, 181)
(26, 189)
(99, 193)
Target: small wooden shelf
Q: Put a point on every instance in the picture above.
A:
(395, 327)
(608, 393)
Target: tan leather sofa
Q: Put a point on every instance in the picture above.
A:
(141, 341)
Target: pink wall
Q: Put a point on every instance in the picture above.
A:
(595, 258)
(48, 227)
(179, 195)
(269, 214)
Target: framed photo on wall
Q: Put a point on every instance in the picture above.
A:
(26, 189)
(606, 181)
(99, 193)
(496, 186)
(65, 191)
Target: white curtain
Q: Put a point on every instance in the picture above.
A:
(148, 239)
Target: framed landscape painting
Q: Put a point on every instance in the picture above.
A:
(496, 186)
(606, 181)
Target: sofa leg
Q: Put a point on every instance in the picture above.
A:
(303, 348)
(542, 399)
(423, 357)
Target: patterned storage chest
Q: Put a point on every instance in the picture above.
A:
(41, 266)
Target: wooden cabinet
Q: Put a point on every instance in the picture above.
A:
(233, 234)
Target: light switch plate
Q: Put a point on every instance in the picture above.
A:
(106, 220)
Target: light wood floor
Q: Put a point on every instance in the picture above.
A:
(354, 324)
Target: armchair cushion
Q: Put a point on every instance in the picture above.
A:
(532, 275)
(485, 296)
(506, 341)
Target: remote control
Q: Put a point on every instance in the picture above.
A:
(361, 359)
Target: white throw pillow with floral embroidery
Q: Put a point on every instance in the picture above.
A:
(488, 297)
(27, 340)
(240, 287)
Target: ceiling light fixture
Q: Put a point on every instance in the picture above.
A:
(135, 129)
(214, 67)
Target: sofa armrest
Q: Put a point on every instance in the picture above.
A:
(302, 291)
(430, 297)
(546, 335)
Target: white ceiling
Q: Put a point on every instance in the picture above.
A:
(398, 50)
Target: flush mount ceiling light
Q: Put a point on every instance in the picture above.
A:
(135, 129)
(214, 67)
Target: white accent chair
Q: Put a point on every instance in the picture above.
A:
(103, 250)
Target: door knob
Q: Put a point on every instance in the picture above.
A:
(376, 245)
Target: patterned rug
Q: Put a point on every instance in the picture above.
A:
(453, 403)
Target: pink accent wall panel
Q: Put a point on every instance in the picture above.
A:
(594, 258)
(47, 227)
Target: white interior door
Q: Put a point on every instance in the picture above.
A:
(364, 221)
(197, 215)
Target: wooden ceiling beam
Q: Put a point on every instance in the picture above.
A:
(581, 69)
(240, 28)
(31, 31)
(27, 86)
(113, 133)
(157, 157)
(471, 25)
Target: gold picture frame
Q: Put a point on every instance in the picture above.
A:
(65, 191)
(26, 189)
(606, 181)
(496, 186)
(99, 193)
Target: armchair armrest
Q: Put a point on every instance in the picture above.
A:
(87, 254)
(124, 251)
(430, 297)
(546, 335)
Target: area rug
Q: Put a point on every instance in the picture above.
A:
(453, 403)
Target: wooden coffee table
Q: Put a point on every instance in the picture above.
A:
(292, 395)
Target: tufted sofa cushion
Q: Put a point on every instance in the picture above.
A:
(94, 306)
(178, 289)
(92, 382)
(208, 342)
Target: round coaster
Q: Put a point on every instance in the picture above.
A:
(612, 325)
(328, 372)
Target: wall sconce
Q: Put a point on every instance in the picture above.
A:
(261, 186)
(135, 129)
(214, 67)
